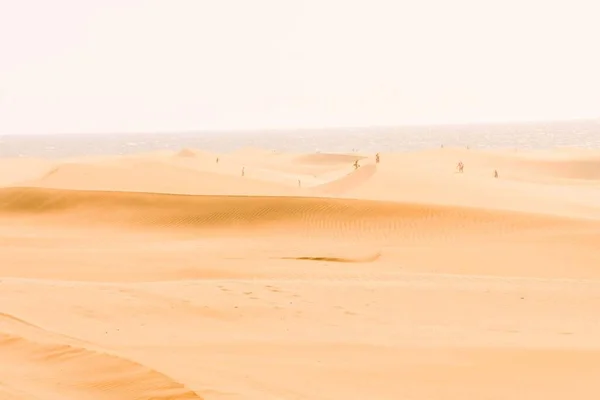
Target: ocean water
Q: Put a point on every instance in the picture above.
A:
(584, 134)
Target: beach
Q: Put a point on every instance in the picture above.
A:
(265, 274)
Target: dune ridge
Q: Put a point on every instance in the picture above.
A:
(300, 213)
(80, 370)
(346, 183)
(69, 368)
(328, 159)
(151, 176)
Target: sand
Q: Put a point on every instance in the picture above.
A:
(172, 276)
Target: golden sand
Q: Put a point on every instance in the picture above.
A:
(174, 276)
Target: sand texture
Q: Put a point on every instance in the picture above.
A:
(269, 276)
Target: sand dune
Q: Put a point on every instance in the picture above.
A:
(533, 166)
(348, 182)
(576, 169)
(172, 276)
(156, 177)
(68, 370)
(16, 170)
(186, 153)
(431, 177)
(287, 214)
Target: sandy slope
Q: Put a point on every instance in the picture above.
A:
(172, 276)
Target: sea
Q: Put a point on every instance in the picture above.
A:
(533, 135)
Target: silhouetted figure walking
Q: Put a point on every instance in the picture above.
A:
(377, 158)
(495, 173)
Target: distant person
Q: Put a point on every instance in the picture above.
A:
(243, 171)
(299, 183)
(356, 164)
(460, 167)
(377, 158)
(217, 160)
(495, 173)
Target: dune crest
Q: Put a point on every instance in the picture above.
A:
(68, 368)
(82, 372)
(328, 159)
(290, 214)
(153, 176)
(348, 182)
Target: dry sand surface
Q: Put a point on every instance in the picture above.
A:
(172, 276)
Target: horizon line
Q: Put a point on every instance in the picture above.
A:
(329, 128)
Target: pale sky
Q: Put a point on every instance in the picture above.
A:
(150, 65)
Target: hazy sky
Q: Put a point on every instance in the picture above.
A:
(150, 65)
